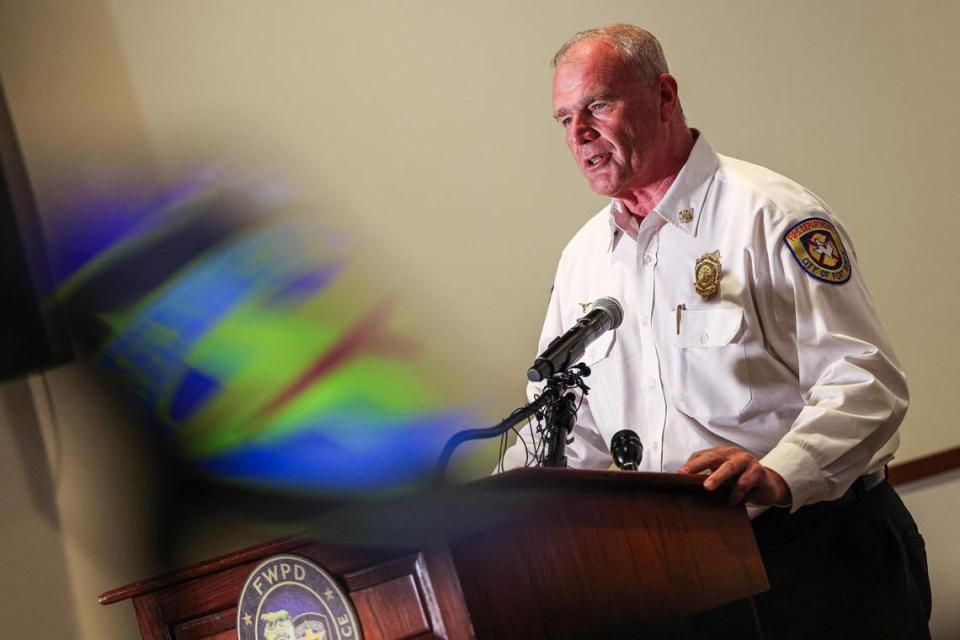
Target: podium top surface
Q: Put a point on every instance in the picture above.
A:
(572, 478)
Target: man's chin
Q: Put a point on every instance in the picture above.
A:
(606, 182)
(603, 188)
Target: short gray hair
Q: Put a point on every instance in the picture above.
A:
(639, 47)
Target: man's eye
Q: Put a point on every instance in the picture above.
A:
(565, 122)
(598, 106)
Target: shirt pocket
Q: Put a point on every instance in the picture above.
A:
(709, 366)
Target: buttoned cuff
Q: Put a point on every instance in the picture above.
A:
(798, 469)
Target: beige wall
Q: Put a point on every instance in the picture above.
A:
(30, 531)
(77, 520)
(424, 126)
(424, 129)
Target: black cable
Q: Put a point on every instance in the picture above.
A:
(501, 452)
(489, 432)
(541, 406)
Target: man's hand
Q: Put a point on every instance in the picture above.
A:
(753, 481)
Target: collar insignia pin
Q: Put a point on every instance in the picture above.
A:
(706, 275)
(686, 216)
(584, 307)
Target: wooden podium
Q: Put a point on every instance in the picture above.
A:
(533, 553)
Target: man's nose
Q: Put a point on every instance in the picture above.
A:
(583, 131)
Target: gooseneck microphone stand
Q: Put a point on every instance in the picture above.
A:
(555, 403)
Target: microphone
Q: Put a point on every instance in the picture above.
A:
(603, 315)
(626, 449)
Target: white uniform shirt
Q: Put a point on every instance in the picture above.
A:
(794, 369)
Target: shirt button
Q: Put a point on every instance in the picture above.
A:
(652, 384)
(703, 338)
(647, 259)
(655, 445)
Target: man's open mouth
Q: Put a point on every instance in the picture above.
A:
(596, 161)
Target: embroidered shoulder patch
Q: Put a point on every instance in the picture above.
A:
(817, 248)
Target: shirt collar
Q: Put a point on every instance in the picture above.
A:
(682, 205)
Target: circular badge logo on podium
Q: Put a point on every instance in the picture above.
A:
(288, 597)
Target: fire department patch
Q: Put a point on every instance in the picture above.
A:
(290, 598)
(816, 246)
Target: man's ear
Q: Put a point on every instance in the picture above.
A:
(668, 95)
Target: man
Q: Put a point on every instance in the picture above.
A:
(749, 350)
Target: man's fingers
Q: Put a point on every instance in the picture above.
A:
(697, 454)
(748, 480)
(729, 469)
(701, 461)
(728, 463)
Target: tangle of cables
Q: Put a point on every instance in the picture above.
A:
(532, 437)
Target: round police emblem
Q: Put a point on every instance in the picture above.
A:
(290, 598)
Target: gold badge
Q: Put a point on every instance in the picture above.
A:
(584, 306)
(707, 275)
(686, 216)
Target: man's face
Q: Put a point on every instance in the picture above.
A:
(611, 120)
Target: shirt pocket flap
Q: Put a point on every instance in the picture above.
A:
(599, 348)
(700, 328)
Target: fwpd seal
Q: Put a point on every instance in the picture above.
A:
(291, 598)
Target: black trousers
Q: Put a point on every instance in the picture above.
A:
(850, 568)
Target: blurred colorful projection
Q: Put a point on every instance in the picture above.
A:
(260, 342)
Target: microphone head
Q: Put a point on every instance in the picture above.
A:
(626, 449)
(611, 307)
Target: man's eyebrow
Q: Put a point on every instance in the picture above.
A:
(559, 113)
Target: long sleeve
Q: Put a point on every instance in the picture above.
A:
(854, 390)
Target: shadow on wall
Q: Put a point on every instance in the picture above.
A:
(24, 426)
(34, 561)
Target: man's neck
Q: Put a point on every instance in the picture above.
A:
(641, 201)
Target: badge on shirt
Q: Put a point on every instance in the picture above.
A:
(816, 246)
(706, 275)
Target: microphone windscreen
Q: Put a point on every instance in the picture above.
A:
(626, 449)
(612, 308)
